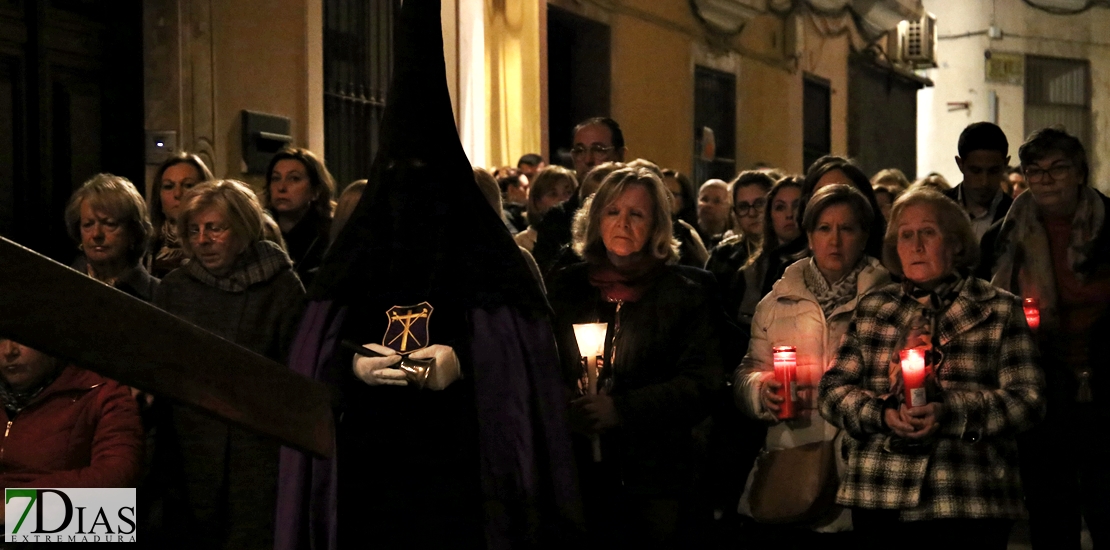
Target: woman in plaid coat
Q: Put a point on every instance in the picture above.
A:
(945, 473)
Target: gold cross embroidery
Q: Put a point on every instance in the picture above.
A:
(406, 328)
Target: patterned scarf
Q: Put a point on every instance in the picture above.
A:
(832, 296)
(922, 330)
(15, 400)
(1025, 261)
(258, 263)
(171, 246)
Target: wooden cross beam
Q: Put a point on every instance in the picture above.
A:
(68, 315)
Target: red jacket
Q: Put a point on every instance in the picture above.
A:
(83, 430)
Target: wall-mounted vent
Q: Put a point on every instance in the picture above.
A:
(914, 44)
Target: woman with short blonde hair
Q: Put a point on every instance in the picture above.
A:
(240, 285)
(108, 219)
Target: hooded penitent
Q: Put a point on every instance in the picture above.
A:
(485, 462)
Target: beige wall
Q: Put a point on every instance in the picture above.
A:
(208, 60)
(961, 76)
(653, 92)
(655, 47)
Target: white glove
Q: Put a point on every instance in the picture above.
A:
(444, 370)
(378, 371)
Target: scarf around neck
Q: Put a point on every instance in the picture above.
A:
(260, 262)
(935, 302)
(831, 296)
(1024, 265)
(628, 283)
(15, 400)
(171, 245)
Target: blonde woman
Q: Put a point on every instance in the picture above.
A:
(241, 287)
(108, 219)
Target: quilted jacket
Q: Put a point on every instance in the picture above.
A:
(83, 430)
(992, 389)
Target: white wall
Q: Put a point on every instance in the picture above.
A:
(961, 75)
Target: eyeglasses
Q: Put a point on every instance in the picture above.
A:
(580, 151)
(743, 208)
(212, 230)
(1035, 175)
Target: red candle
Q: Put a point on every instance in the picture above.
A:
(786, 373)
(1032, 309)
(913, 376)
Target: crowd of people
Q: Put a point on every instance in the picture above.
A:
(756, 384)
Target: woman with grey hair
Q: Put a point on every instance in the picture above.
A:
(241, 287)
(809, 308)
(932, 457)
(108, 220)
(663, 360)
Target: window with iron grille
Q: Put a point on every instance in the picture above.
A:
(358, 54)
(1058, 93)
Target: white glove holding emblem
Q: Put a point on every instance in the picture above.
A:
(379, 371)
(445, 369)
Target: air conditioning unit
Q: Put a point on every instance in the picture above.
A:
(914, 43)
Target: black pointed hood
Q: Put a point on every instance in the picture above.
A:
(422, 230)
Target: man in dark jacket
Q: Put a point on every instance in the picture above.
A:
(596, 140)
(983, 160)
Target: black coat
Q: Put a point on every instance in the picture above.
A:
(306, 243)
(553, 235)
(670, 359)
(222, 478)
(136, 281)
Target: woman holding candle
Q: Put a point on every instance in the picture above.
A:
(807, 313)
(663, 361)
(944, 474)
(1054, 250)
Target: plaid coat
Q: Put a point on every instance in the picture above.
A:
(992, 389)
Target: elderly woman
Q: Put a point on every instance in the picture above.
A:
(178, 174)
(809, 308)
(298, 193)
(552, 186)
(944, 473)
(782, 245)
(65, 426)
(242, 288)
(1054, 246)
(663, 359)
(107, 218)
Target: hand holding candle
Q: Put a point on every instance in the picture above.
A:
(591, 348)
(786, 374)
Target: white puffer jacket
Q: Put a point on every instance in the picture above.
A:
(791, 316)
